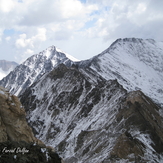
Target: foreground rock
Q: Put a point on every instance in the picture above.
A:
(17, 142)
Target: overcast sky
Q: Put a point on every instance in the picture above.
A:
(81, 28)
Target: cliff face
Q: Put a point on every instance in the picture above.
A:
(17, 142)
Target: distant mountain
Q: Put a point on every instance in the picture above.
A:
(33, 68)
(6, 67)
(92, 121)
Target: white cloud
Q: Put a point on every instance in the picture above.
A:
(2, 74)
(128, 19)
(6, 6)
(41, 36)
(53, 11)
(38, 24)
(8, 38)
(29, 51)
(1, 33)
(23, 41)
(75, 9)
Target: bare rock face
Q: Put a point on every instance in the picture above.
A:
(13, 125)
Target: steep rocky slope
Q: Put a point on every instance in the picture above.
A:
(92, 121)
(137, 64)
(33, 68)
(17, 142)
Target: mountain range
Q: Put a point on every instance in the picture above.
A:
(105, 109)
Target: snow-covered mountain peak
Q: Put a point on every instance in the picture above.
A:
(52, 52)
(67, 55)
(33, 68)
(55, 52)
(135, 63)
(128, 50)
(134, 40)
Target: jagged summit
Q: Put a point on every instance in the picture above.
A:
(52, 51)
(33, 68)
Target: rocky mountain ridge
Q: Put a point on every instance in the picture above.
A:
(92, 121)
